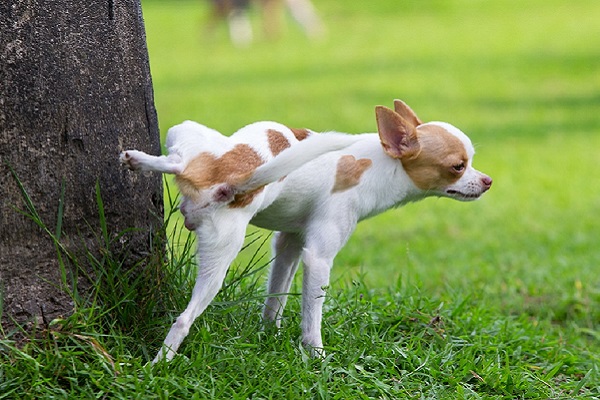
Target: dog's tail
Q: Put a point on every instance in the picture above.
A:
(295, 157)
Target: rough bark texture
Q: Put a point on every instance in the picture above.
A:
(75, 89)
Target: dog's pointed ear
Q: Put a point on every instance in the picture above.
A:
(406, 112)
(398, 136)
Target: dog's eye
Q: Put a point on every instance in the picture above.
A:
(459, 167)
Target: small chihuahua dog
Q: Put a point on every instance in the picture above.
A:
(312, 189)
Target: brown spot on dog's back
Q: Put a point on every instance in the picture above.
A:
(200, 173)
(277, 141)
(300, 134)
(206, 170)
(440, 151)
(348, 173)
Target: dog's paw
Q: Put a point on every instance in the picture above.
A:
(317, 353)
(314, 348)
(129, 158)
(165, 354)
(310, 352)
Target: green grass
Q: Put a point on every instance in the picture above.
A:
(494, 299)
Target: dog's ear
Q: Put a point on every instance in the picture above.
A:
(398, 136)
(407, 113)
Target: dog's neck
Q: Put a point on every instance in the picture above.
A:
(387, 184)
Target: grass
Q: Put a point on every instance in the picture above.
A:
(494, 299)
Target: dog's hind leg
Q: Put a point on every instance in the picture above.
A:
(138, 160)
(287, 248)
(220, 238)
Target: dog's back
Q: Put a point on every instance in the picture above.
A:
(190, 138)
(256, 155)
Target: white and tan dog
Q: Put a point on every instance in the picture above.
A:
(311, 188)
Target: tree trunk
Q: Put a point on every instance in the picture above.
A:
(75, 89)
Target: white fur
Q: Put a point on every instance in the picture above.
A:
(312, 222)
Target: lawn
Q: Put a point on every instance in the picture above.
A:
(499, 298)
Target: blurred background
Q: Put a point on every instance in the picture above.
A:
(521, 78)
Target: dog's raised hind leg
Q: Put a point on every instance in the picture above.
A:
(138, 160)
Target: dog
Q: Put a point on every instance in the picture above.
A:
(311, 188)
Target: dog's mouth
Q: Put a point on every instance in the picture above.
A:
(463, 196)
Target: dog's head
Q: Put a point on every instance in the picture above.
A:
(436, 156)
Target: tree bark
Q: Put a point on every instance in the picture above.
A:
(75, 89)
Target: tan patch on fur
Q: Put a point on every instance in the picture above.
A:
(300, 134)
(277, 141)
(349, 171)
(440, 151)
(243, 199)
(233, 167)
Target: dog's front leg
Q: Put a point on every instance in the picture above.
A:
(314, 283)
(323, 241)
(287, 248)
(219, 241)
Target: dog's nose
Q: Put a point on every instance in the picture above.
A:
(487, 182)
